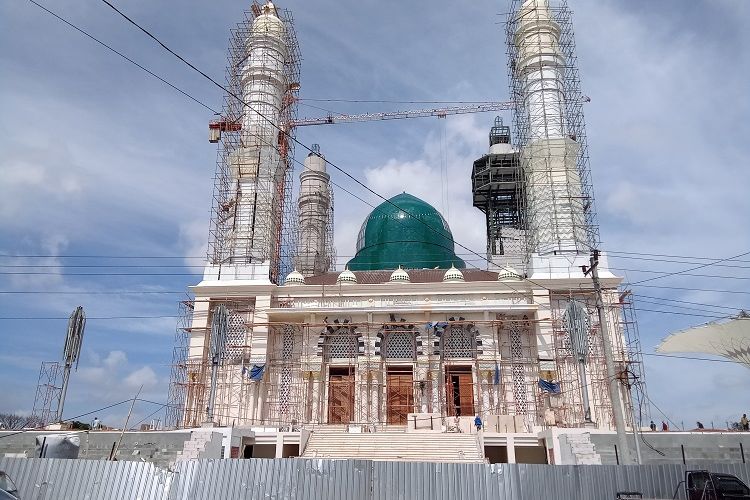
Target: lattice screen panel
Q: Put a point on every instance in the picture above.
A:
(458, 342)
(399, 345)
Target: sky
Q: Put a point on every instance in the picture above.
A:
(103, 165)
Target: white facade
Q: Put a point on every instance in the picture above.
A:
(331, 354)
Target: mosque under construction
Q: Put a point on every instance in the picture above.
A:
(407, 341)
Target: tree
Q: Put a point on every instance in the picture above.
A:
(13, 421)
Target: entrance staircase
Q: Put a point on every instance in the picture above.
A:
(583, 450)
(395, 446)
(195, 447)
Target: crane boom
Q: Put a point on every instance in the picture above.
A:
(398, 115)
(216, 127)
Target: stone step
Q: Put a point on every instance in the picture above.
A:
(398, 446)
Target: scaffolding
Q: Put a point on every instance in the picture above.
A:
(626, 349)
(377, 374)
(548, 123)
(316, 253)
(48, 393)
(498, 190)
(253, 218)
(635, 377)
(178, 386)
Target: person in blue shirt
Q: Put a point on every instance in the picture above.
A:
(478, 423)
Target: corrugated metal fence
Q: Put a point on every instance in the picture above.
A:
(53, 479)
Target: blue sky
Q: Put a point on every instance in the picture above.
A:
(99, 159)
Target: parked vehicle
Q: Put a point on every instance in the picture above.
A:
(702, 485)
(8, 490)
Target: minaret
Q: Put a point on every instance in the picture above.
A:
(555, 202)
(314, 254)
(498, 191)
(257, 165)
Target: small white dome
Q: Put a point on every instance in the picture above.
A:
(399, 276)
(453, 275)
(508, 274)
(294, 278)
(346, 278)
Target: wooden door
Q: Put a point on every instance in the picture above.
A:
(399, 396)
(341, 395)
(459, 392)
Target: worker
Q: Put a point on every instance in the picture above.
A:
(96, 424)
(478, 423)
(700, 425)
(664, 426)
(744, 422)
(652, 426)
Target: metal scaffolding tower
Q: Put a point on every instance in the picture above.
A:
(549, 128)
(254, 219)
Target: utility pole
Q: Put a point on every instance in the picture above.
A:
(612, 380)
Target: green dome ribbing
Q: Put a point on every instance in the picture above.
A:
(414, 236)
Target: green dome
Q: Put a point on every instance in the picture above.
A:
(404, 231)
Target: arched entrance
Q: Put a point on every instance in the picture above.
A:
(398, 344)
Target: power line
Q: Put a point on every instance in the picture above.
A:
(679, 313)
(689, 302)
(186, 94)
(105, 318)
(692, 358)
(244, 104)
(673, 261)
(289, 136)
(685, 307)
(125, 57)
(692, 268)
(68, 419)
(711, 290)
(618, 252)
(682, 273)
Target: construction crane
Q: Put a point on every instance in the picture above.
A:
(216, 127)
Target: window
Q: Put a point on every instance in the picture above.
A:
(399, 344)
(342, 344)
(458, 342)
(731, 486)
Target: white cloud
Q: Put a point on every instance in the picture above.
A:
(112, 377)
(144, 376)
(114, 360)
(193, 237)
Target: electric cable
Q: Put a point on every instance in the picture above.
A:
(294, 139)
(183, 92)
(690, 269)
(125, 57)
(68, 419)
